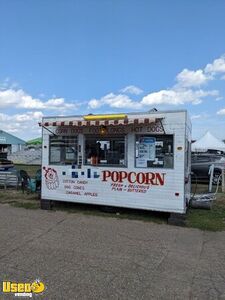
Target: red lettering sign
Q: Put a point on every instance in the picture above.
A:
(133, 177)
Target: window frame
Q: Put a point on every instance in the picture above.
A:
(105, 136)
(154, 136)
(75, 137)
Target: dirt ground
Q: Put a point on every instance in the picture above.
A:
(213, 220)
(81, 256)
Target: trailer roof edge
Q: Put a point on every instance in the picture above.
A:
(130, 113)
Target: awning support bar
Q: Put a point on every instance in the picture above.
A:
(47, 129)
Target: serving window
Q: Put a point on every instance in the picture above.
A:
(154, 151)
(106, 150)
(63, 150)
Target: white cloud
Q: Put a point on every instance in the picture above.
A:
(132, 89)
(177, 97)
(173, 96)
(114, 101)
(221, 112)
(120, 101)
(59, 103)
(29, 116)
(185, 90)
(94, 103)
(194, 117)
(201, 116)
(25, 124)
(7, 83)
(20, 99)
(219, 98)
(188, 78)
(218, 66)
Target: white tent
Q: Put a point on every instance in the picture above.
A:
(208, 142)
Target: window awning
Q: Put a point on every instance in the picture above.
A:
(80, 123)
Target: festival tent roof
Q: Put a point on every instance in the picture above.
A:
(208, 142)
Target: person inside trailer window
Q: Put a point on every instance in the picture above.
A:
(107, 150)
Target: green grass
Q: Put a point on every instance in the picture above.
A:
(15, 195)
(18, 199)
(27, 205)
(213, 220)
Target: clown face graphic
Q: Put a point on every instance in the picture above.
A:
(51, 178)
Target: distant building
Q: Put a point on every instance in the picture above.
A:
(10, 143)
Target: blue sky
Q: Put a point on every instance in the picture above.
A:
(91, 56)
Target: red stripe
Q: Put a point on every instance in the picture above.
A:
(97, 123)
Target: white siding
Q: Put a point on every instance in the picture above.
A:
(160, 198)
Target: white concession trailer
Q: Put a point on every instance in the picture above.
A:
(134, 160)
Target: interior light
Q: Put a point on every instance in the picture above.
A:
(103, 130)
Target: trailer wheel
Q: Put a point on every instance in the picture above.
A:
(46, 204)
